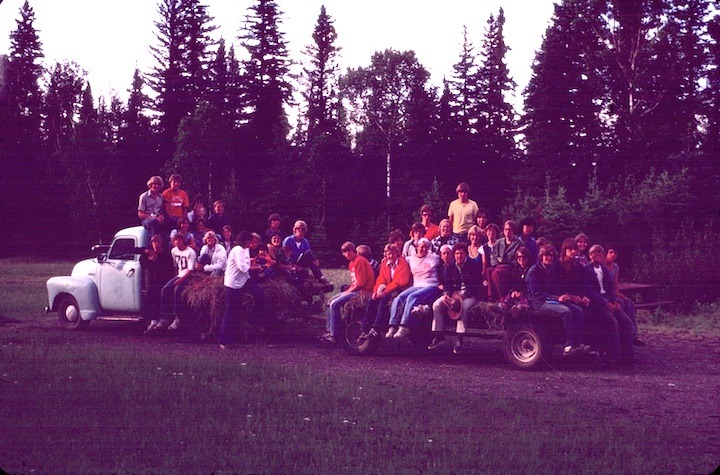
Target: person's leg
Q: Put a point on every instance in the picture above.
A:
(625, 333)
(334, 315)
(501, 281)
(439, 312)
(258, 315)
(607, 329)
(577, 329)
(398, 305)
(559, 310)
(424, 295)
(629, 309)
(178, 302)
(230, 326)
(463, 323)
(166, 298)
(371, 310)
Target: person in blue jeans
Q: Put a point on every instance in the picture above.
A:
(545, 296)
(424, 290)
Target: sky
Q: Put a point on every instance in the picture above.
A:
(109, 39)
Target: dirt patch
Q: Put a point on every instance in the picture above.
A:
(674, 388)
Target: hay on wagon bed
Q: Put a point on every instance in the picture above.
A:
(204, 296)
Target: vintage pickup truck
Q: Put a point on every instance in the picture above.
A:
(108, 286)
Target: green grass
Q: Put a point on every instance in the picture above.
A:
(82, 408)
(23, 293)
(72, 406)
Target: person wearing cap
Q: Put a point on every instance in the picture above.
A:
(424, 290)
(150, 206)
(273, 223)
(176, 202)
(460, 285)
(462, 212)
(213, 257)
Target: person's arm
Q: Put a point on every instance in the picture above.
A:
(402, 277)
(220, 258)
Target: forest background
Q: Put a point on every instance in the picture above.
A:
(619, 137)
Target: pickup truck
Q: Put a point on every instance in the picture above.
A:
(108, 286)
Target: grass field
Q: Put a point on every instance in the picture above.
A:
(72, 406)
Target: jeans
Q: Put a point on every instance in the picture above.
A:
(376, 314)
(572, 318)
(171, 302)
(616, 330)
(334, 317)
(403, 304)
(230, 326)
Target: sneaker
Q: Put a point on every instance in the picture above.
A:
(458, 347)
(362, 338)
(420, 310)
(175, 325)
(152, 327)
(391, 332)
(638, 342)
(402, 332)
(437, 342)
(327, 286)
(372, 334)
(162, 324)
(572, 350)
(328, 339)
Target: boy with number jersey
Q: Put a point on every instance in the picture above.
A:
(171, 303)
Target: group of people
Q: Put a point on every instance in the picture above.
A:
(443, 268)
(184, 240)
(449, 267)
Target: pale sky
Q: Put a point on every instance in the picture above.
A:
(109, 38)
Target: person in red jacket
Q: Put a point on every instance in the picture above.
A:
(394, 277)
(362, 279)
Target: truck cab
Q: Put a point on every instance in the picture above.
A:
(110, 283)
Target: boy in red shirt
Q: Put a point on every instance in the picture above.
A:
(362, 280)
(175, 201)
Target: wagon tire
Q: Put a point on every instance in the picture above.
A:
(524, 347)
(69, 314)
(350, 340)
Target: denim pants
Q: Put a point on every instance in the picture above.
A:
(616, 330)
(403, 304)
(334, 317)
(376, 314)
(232, 321)
(171, 302)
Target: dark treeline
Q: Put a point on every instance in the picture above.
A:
(619, 137)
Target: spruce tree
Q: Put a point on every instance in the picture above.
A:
(20, 147)
(266, 92)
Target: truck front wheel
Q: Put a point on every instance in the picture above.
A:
(69, 314)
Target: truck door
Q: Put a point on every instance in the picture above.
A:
(120, 277)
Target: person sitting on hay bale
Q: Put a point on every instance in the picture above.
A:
(238, 282)
(362, 279)
(213, 257)
(394, 278)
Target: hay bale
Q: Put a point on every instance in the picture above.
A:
(204, 297)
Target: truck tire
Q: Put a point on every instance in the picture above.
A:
(523, 346)
(69, 314)
(350, 340)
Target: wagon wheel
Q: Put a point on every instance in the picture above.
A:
(523, 346)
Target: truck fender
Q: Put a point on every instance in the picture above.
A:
(83, 289)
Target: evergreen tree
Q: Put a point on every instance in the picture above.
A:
(20, 147)
(136, 138)
(323, 141)
(496, 115)
(562, 125)
(180, 77)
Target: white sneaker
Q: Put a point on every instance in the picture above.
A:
(152, 327)
(420, 310)
(391, 331)
(457, 348)
(175, 325)
(402, 332)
